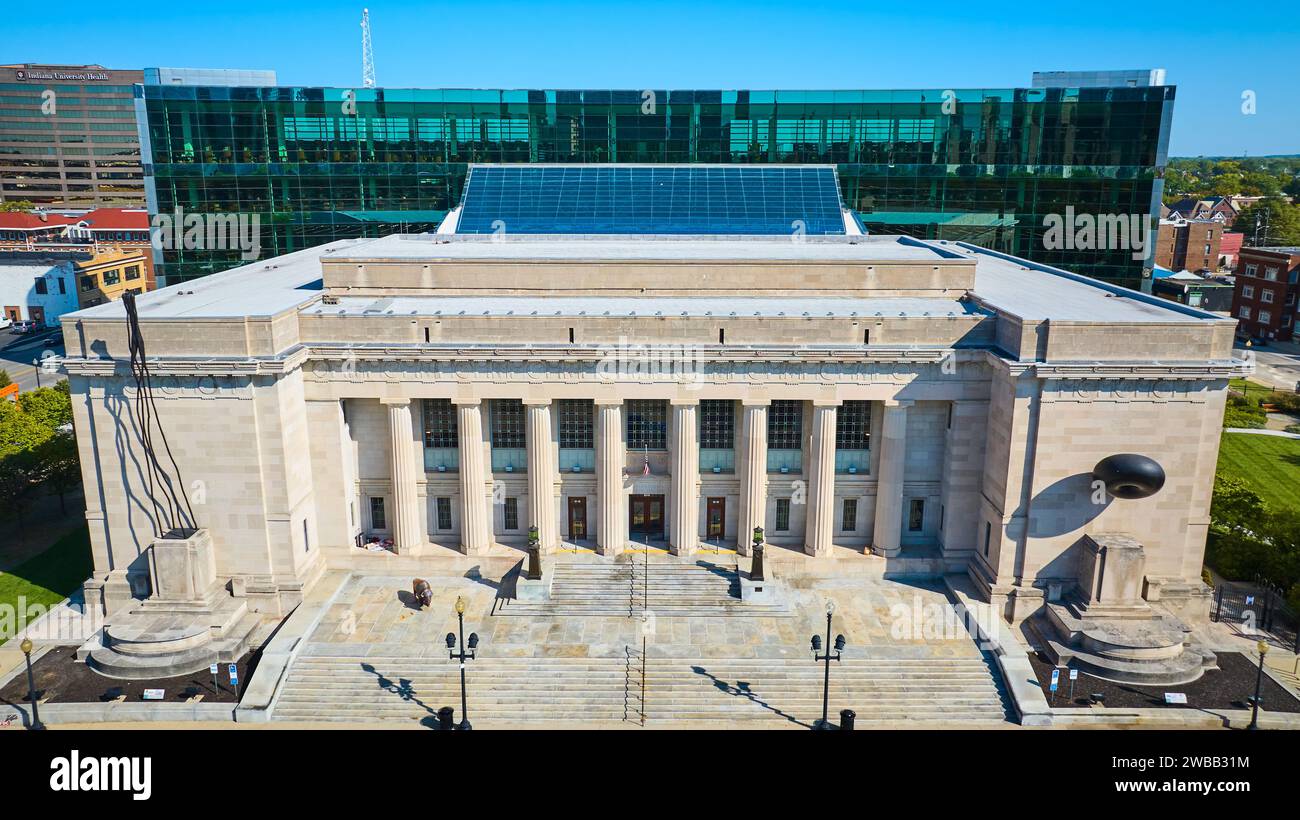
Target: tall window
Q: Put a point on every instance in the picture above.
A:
(508, 423)
(853, 426)
(647, 425)
(511, 513)
(576, 424)
(782, 515)
(440, 428)
(378, 521)
(717, 424)
(785, 425)
(444, 513)
(849, 521)
(915, 515)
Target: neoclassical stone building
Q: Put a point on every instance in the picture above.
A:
(845, 393)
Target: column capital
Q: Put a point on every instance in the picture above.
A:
(897, 404)
(607, 402)
(395, 402)
(474, 402)
(748, 402)
(536, 402)
(828, 402)
(690, 402)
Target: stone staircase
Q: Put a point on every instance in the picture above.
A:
(625, 588)
(560, 691)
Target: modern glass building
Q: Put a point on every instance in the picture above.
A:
(981, 165)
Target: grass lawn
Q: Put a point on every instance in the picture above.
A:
(49, 577)
(1269, 464)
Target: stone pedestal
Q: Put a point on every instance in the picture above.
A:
(1104, 627)
(183, 570)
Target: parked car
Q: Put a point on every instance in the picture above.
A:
(54, 339)
(24, 326)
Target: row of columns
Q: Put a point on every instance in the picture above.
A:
(611, 532)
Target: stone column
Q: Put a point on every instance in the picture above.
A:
(753, 473)
(821, 482)
(887, 536)
(611, 534)
(408, 522)
(475, 523)
(541, 473)
(685, 532)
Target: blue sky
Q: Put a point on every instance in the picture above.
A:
(1213, 53)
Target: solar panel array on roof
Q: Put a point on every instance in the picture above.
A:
(651, 199)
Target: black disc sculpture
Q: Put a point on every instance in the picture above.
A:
(1129, 475)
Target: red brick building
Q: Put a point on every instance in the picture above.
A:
(1188, 244)
(1264, 300)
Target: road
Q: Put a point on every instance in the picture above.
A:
(1277, 365)
(17, 354)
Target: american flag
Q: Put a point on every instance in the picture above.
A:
(645, 468)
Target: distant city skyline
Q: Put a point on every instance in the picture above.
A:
(511, 44)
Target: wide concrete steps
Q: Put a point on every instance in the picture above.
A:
(522, 690)
(624, 589)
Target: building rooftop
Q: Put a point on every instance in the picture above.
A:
(1019, 287)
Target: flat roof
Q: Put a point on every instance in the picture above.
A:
(1019, 287)
(633, 247)
(666, 306)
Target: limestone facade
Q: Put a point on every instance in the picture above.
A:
(451, 395)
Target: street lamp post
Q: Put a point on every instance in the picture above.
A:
(26, 647)
(1259, 682)
(462, 656)
(825, 723)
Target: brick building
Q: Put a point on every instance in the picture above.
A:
(1264, 302)
(1188, 244)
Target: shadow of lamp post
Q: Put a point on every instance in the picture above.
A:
(1259, 682)
(825, 723)
(26, 647)
(462, 656)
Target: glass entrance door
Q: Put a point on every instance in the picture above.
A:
(577, 518)
(646, 517)
(715, 519)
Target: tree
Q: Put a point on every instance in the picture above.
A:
(1280, 222)
(5, 381)
(60, 465)
(1234, 506)
(50, 406)
(20, 468)
(16, 205)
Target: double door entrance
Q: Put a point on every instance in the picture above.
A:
(645, 514)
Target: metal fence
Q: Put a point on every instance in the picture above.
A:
(1259, 608)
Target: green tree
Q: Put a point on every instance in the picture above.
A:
(20, 468)
(16, 205)
(1234, 505)
(60, 465)
(5, 381)
(1281, 219)
(51, 406)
